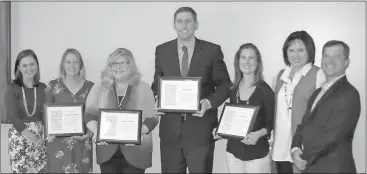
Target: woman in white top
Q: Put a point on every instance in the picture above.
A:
(293, 87)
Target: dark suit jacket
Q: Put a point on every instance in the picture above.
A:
(334, 118)
(207, 63)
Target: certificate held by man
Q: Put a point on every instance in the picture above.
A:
(119, 126)
(179, 94)
(237, 120)
(63, 120)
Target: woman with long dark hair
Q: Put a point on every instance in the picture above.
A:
(250, 155)
(24, 98)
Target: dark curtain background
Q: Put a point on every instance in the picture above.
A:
(5, 59)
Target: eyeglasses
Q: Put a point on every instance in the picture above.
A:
(114, 64)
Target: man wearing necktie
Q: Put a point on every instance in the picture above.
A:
(323, 141)
(187, 139)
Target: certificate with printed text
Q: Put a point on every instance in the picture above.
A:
(179, 94)
(236, 120)
(63, 120)
(119, 126)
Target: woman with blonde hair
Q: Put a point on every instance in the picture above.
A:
(69, 154)
(121, 88)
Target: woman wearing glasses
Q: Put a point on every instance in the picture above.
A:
(121, 88)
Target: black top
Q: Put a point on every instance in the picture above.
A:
(15, 107)
(263, 96)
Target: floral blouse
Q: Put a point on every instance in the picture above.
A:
(66, 154)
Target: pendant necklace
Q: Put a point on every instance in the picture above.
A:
(289, 103)
(119, 102)
(238, 98)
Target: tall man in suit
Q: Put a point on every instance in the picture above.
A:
(186, 139)
(323, 141)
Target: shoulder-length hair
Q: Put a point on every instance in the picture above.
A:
(258, 71)
(18, 75)
(306, 39)
(81, 63)
(106, 75)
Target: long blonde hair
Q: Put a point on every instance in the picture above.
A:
(106, 75)
(81, 63)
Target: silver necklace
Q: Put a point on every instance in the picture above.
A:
(119, 102)
(289, 103)
(238, 98)
(34, 103)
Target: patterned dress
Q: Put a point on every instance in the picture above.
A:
(25, 157)
(66, 154)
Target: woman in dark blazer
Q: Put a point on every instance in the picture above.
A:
(250, 155)
(24, 98)
(121, 88)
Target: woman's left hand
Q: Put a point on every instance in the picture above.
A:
(141, 141)
(83, 137)
(215, 135)
(144, 130)
(251, 138)
(102, 143)
(39, 143)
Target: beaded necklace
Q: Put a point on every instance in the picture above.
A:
(34, 103)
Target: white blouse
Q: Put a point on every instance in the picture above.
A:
(283, 123)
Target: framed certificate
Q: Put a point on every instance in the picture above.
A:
(237, 120)
(179, 94)
(119, 126)
(63, 120)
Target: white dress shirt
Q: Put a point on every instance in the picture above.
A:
(324, 88)
(283, 137)
(190, 51)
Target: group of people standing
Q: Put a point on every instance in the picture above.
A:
(312, 111)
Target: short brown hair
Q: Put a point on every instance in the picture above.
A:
(185, 9)
(337, 42)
